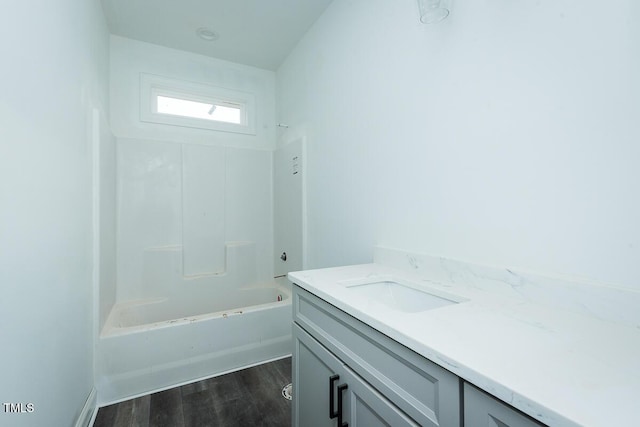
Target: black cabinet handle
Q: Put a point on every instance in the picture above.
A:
(341, 388)
(332, 398)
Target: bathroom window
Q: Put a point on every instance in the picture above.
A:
(178, 103)
(216, 110)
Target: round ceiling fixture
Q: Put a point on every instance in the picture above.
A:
(207, 34)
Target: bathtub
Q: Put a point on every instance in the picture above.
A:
(153, 344)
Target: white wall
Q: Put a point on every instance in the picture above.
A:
(507, 135)
(54, 72)
(130, 58)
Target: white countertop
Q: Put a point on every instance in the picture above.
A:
(561, 367)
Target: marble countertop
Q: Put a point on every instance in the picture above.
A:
(562, 367)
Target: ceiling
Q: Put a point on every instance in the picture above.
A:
(260, 33)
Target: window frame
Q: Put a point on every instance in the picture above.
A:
(152, 86)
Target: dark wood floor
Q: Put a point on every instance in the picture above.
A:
(251, 397)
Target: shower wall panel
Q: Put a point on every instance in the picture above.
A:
(288, 207)
(183, 209)
(248, 206)
(203, 211)
(149, 211)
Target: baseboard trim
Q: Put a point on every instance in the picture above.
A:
(88, 410)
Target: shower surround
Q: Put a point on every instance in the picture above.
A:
(195, 293)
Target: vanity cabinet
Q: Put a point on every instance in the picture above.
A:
(344, 370)
(482, 410)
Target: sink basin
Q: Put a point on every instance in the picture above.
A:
(400, 297)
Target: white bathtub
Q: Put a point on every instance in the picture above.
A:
(151, 344)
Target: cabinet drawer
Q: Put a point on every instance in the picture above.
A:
(483, 410)
(423, 390)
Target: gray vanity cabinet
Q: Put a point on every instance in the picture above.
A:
(482, 410)
(341, 365)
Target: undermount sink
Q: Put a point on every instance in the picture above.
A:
(398, 296)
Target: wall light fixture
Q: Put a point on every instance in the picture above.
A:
(432, 11)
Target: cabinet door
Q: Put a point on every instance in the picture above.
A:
(482, 410)
(365, 407)
(313, 366)
(362, 406)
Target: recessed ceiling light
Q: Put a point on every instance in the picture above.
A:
(207, 34)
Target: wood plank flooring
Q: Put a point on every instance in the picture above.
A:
(250, 397)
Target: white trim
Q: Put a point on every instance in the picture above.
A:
(95, 218)
(89, 410)
(305, 225)
(151, 86)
